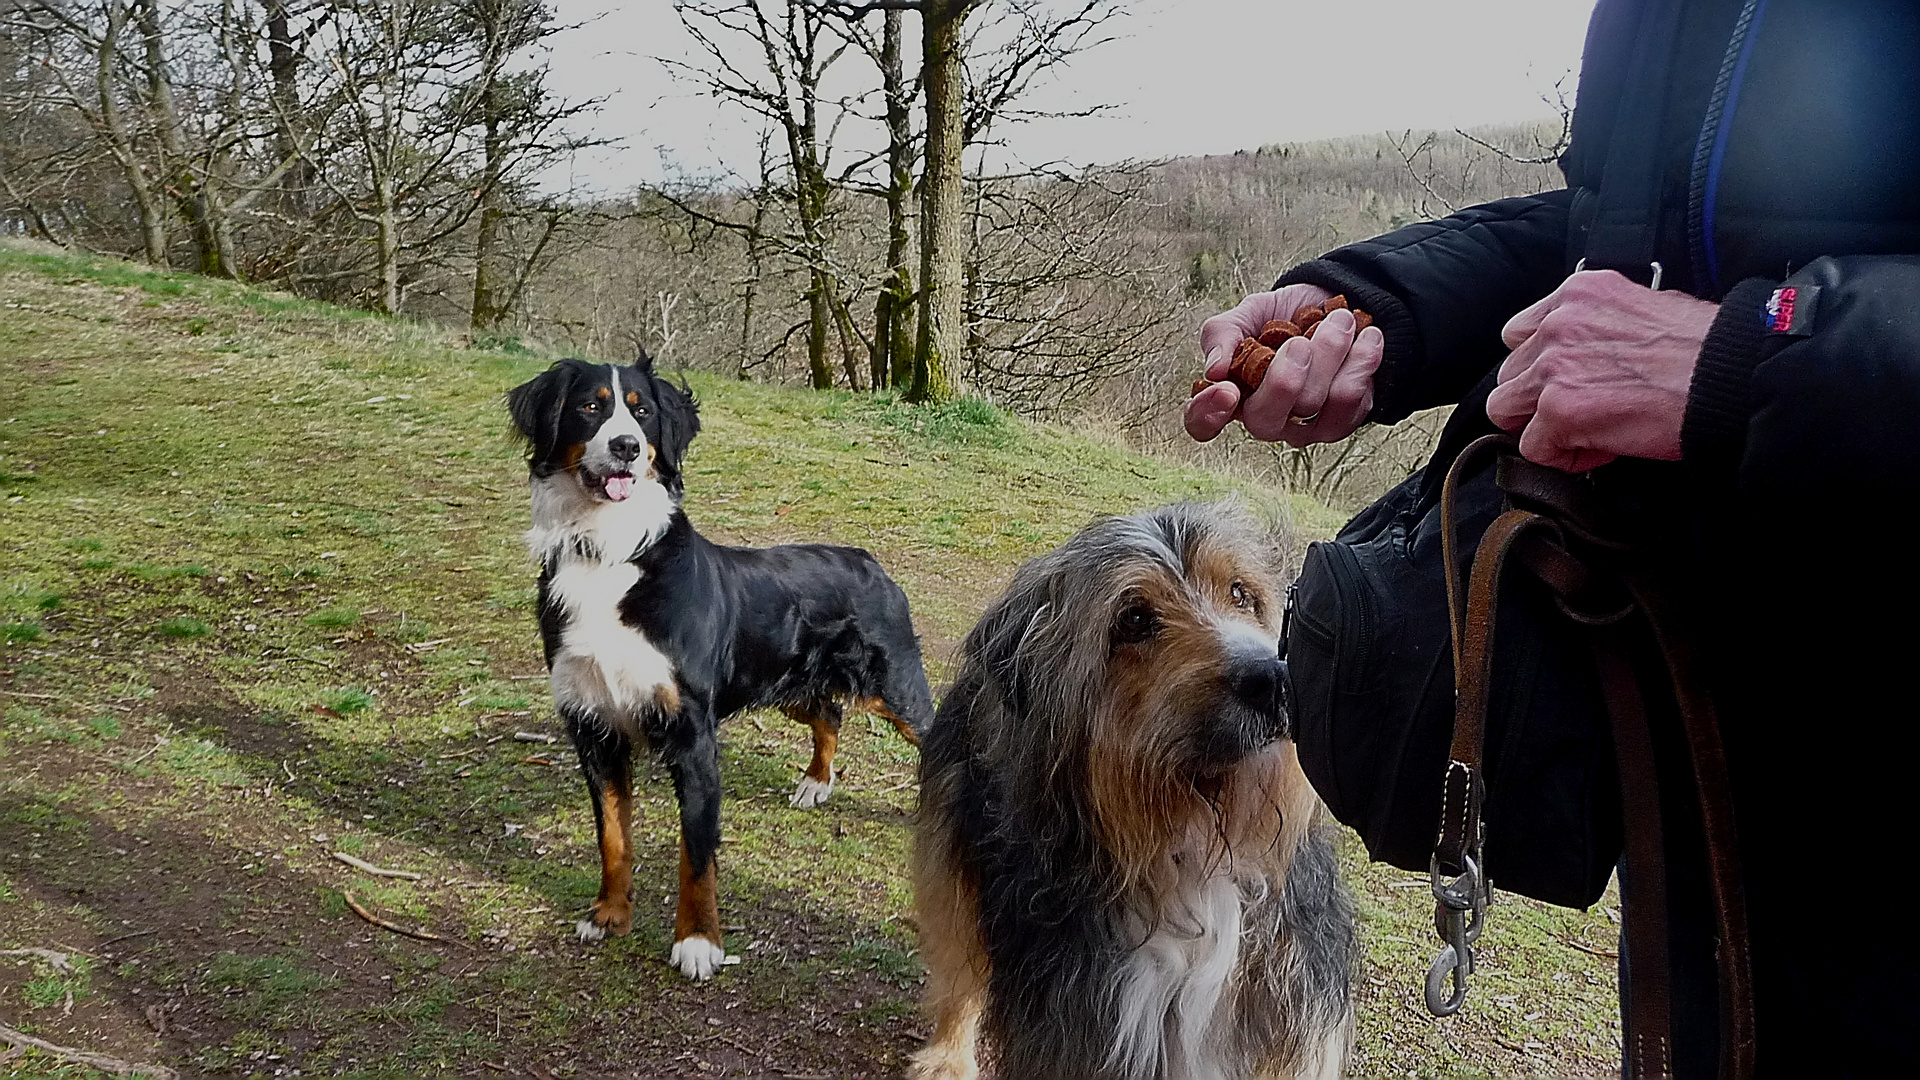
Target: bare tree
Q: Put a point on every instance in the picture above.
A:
(188, 180)
(796, 48)
(524, 129)
(102, 102)
(1064, 291)
(892, 342)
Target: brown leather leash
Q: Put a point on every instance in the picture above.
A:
(1609, 589)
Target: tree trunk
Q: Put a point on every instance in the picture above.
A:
(487, 307)
(113, 123)
(283, 64)
(819, 371)
(389, 244)
(892, 332)
(189, 190)
(942, 205)
(754, 259)
(849, 337)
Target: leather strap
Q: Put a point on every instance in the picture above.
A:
(1701, 725)
(1602, 588)
(1643, 884)
(1463, 791)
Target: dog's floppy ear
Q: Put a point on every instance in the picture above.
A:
(679, 423)
(997, 643)
(536, 405)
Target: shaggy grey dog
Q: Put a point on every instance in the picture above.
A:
(1118, 867)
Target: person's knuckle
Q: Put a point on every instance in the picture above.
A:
(1344, 396)
(1559, 325)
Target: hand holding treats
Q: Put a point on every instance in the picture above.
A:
(1293, 365)
(1255, 353)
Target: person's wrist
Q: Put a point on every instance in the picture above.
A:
(1713, 430)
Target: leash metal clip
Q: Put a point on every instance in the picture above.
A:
(1658, 270)
(1459, 914)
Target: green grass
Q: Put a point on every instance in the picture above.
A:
(333, 618)
(183, 628)
(50, 985)
(326, 507)
(348, 700)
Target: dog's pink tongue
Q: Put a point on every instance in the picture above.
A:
(619, 487)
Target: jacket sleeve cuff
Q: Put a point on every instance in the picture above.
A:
(1389, 314)
(1713, 432)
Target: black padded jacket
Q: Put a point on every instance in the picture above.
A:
(1792, 133)
(1789, 170)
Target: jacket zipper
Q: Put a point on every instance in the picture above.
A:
(1704, 181)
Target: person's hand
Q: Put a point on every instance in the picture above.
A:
(1328, 377)
(1599, 370)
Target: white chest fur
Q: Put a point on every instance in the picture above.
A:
(1170, 990)
(603, 664)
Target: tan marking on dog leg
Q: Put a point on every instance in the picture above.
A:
(697, 948)
(612, 912)
(699, 910)
(957, 967)
(826, 743)
(667, 698)
(817, 784)
(879, 708)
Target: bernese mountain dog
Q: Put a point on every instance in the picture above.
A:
(654, 635)
(1120, 871)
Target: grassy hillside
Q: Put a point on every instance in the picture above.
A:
(262, 600)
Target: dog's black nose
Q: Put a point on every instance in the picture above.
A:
(624, 447)
(1256, 683)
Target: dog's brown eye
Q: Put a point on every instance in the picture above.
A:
(1135, 623)
(1241, 598)
(592, 406)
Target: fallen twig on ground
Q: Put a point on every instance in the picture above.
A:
(58, 959)
(533, 736)
(420, 935)
(158, 742)
(362, 864)
(83, 1057)
(124, 937)
(1608, 954)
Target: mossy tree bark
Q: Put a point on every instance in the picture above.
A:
(893, 303)
(942, 331)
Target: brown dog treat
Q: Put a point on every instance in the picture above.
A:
(1276, 332)
(1250, 362)
(1308, 318)
(1361, 320)
(1200, 384)
(1256, 369)
(1334, 303)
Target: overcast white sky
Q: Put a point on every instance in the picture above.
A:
(1202, 77)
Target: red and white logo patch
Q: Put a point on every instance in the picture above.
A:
(1790, 310)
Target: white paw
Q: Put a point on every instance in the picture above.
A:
(697, 958)
(810, 793)
(589, 931)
